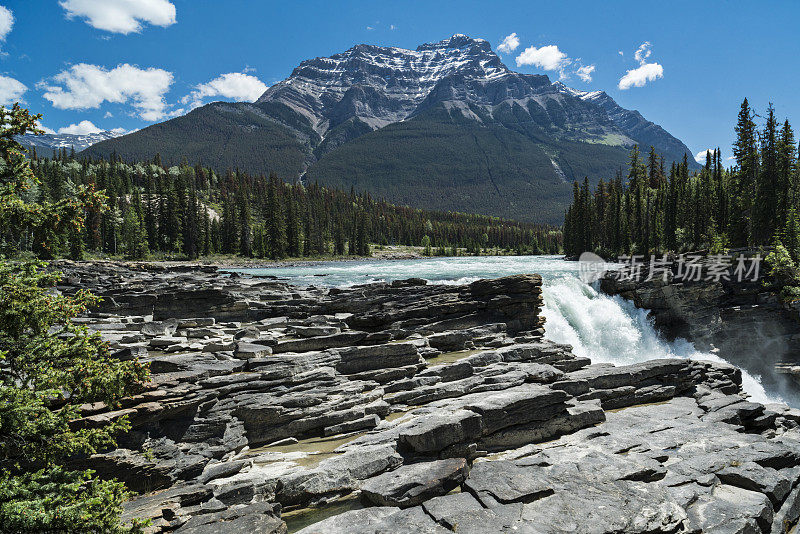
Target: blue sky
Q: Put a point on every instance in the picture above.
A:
(129, 63)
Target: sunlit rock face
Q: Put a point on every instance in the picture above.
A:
(273, 407)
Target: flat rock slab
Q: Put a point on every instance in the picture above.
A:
(437, 431)
(378, 520)
(246, 351)
(368, 358)
(409, 485)
(260, 518)
(344, 339)
(515, 406)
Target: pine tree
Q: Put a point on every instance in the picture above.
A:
(174, 221)
(791, 234)
(191, 233)
(76, 247)
(786, 163)
(655, 168)
(245, 224)
(293, 233)
(259, 248)
(339, 239)
(206, 233)
(361, 238)
(50, 366)
(745, 151)
(133, 235)
(766, 202)
(150, 217)
(274, 215)
(229, 229)
(636, 183)
(426, 245)
(216, 237)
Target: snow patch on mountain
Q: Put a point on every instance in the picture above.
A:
(52, 142)
(396, 79)
(375, 86)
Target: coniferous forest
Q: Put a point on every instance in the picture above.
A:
(185, 212)
(653, 209)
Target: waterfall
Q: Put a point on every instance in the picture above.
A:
(610, 329)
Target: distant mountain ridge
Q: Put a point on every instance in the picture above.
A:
(445, 126)
(46, 144)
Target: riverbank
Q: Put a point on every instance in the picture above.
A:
(269, 400)
(378, 253)
(228, 261)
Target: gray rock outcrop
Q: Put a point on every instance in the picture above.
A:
(274, 408)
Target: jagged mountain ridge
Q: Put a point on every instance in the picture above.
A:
(645, 133)
(378, 86)
(53, 142)
(445, 126)
(328, 90)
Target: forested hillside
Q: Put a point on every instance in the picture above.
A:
(652, 210)
(188, 212)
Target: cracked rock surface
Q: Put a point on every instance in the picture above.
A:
(413, 408)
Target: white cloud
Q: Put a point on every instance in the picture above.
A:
(509, 44)
(6, 22)
(82, 128)
(639, 76)
(237, 86)
(547, 57)
(700, 157)
(45, 128)
(121, 16)
(645, 72)
(86, 86)
(11, 90)
(642, 53)
(585, 72)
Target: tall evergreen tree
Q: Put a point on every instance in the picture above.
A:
(766, 203)
(745, 151)
(276, 222)
(786, 163)
(293, 232)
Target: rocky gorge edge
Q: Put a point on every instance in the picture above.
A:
(407, 407)
(742, 321)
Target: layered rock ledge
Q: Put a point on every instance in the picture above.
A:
(406, 407)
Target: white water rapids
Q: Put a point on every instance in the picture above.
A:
(603, 328)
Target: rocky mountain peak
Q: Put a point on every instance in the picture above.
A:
(395, 79)
(458, 40)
